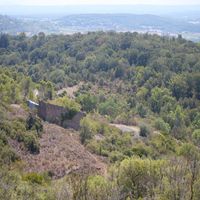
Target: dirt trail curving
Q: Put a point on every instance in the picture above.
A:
(131, 129)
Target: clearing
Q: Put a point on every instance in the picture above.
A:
(61, 152)
(130, 129)
(70, 91)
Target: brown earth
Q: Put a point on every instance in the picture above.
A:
(61, 152)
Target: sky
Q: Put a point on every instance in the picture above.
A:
(98, 2)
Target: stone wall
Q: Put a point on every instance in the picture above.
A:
(54, 114)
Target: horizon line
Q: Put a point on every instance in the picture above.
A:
(51, 5)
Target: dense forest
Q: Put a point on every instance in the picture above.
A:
(139, 80)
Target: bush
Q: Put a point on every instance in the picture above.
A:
(17, 130)
(163, 144)
(31, 143)
(67, 103)
(196, 136)
(140, 150)
(98, 188)
(3, 139)
(88, 102)
(116, 156)
(142, 111)
(110, 107)
(144, 131)
(88, 129)
(6, 127)
(7, 155)
(34, 123)
(161, 125)
(34, 178)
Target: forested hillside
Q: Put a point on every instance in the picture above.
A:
(148, 83)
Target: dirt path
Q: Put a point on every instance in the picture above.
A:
(130, 129)
(61, 153)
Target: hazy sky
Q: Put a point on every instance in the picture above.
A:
(94, 2)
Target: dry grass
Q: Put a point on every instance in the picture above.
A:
(16, 111)
(70, 91)
(61, 153)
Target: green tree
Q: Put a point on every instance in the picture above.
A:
(179, 86)
(196, 137)
(88, 102)
(161, 125)
(179, 128)
(159, 98)
(138, 177)
(88, 129)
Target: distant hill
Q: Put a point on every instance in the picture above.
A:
(10, 24)
(31, 26)
(127, 22)
(101, 22)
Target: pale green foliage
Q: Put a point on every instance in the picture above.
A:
(46, 90)
(142, 110)
(179, 86)
(159, 97)
(163, 144)
(138, 176)
(196, 122)
(189, 151)
(13, 187)
(142, 94)
(89, 128)
(98, 188)
(179, 128)
(9, 88)
(67, 103)
(196, 136)
(161, 125)
(88, 102)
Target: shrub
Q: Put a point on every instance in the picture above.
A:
(34, 178)
(140, 150)
(98, 188)
(88, 102)
(88, 129)
(196, 122)
(196, 136)
(3, 139)
(142, 111)
(7, 155)
(161, 125)
(116, 156)
(31, 143)
(111, 107)
(144, 131)
(67, 103)
(34, 123)
(163, 144)
(6, 127)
